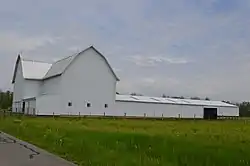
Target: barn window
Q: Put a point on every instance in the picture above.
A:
(88, 105)
(69, 104)
(106, 105)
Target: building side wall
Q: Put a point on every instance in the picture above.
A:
(30, 106)
(88, 80)
(31, 88)
(16, 106)
(51, 86)
(23, 89)
(49, 105)
(228, 111)
(157, 110)
(19, 84)
(18, 89)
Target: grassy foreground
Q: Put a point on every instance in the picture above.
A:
(137, 142)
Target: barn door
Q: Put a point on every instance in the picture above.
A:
(23, 107)
(210, 113)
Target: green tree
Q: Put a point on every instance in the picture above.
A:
(5, 99)
(244, 108)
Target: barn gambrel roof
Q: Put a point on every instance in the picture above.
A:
(37, 70)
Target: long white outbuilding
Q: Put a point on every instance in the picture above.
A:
(85, 84)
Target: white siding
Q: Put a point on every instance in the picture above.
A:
(188, 111)
(138, 109)
(49, 104)
(19, 84)
(51, 86)
(30, 107)
(16, 107)
(228, 111)
(31, 88)
(88, 79)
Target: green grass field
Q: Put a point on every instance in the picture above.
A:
(137, 142)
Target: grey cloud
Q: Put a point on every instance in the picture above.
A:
(151, 61)
(13, 42)
(150, 31)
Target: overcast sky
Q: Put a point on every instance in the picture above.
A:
(177, 47)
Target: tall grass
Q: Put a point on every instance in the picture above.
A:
(137, 142)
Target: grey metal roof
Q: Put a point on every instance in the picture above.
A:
(58, 67)
(159, 100)
(31, 69)
(34, 69)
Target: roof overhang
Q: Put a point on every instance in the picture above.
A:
(15, 70)
(92, 47)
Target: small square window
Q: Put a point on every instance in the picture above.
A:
(69, 104)
(106, 105)
(88, 105)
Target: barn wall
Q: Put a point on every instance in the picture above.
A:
(228, 111)
(24, 88)
(51, 86)
(30, 106)
(88, 80)
(188, 111)
(31, 88)
(19, 84)
(157, 110)
(16, 106)
(49, 104)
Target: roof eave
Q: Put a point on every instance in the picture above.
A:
(15, 70)
(34, 79)
(117, 79)
(150, 102)
(46, 78)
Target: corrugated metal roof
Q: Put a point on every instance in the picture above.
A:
(58, 67)
(146, 99)
(34, 69)
(125, 98)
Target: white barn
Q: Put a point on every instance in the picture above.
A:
(85, 84)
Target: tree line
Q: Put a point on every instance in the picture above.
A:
(6, 99)
(244, 108)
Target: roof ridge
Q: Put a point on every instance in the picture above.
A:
(65, 58)
(62, 59)
(79, 52)
(167, 98)
(32, 60)
(57, 62)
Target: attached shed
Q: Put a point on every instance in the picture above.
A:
(143, 106)
(29, 106)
